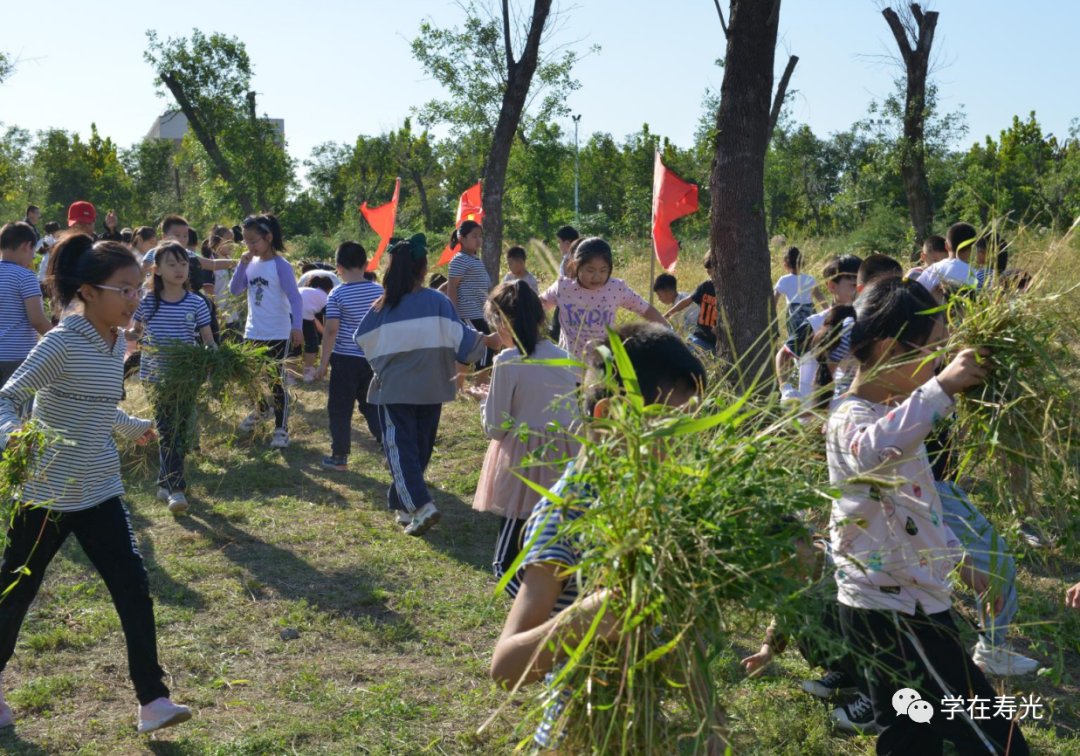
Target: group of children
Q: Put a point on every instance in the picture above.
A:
(395, 351)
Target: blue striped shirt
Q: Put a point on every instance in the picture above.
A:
(544, 544)
(17, 336)
(349, 303)
(472, 292)
(173, 321)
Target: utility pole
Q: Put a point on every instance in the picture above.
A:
(577, 168)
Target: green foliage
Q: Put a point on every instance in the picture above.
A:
(7, 66)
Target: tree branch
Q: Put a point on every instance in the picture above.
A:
(720, 12)
(899, 34)
(781, 93)
(506, 35)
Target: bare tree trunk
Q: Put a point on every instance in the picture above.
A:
(781, 93)
(209, 143)
(518, 79)
(421, 192)
(738, 241)
(914, 36)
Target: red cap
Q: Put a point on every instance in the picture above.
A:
(81, 212)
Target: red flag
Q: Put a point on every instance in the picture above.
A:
(672, 199)
(469, 207)
(381, 219)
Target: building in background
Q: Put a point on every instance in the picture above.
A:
(174, 124)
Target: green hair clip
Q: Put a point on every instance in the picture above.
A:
(418, 245)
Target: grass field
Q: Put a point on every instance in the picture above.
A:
(393, 634)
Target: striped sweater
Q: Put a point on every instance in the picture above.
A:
(77, 381)
(413, 349)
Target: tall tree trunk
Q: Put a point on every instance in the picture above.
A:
(253, 120)
(914, 39)
(421, 192)
(738, 241)
(518, 79)
(209, 143)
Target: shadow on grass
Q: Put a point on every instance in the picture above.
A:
(353, 593)
(11, 742)
(463, 533)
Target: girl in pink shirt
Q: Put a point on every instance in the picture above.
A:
(588, 298)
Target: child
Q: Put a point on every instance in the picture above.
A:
(22, 316)
(170, 313)
(666, 289)
(589, 298)
(527, 416)
(566, 237)
(544, 620)
(314, 298)
(75, 377)
(469, 282)
(143, 239)
(800, 291)
(350, 374)
(412, 337)
(953, 272)
(893, 550)
(44, 247)
(275, 312)
(515, 261)
(703, 335)
(933, 251)
(841, 281)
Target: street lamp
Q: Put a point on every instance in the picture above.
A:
(577, 168)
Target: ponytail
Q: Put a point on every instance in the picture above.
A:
(408, 265)
(77, 260)
(518, 307)
(793, 259)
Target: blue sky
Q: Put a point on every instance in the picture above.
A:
(336, 69)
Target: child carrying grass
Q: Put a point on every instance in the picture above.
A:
(75, 376)
(527, 415)
(546, 617)
(893, 550)
(169, 313)
(588, 298)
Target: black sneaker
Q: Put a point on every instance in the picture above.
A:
(829, 685)
(341, 464)
(857, 716)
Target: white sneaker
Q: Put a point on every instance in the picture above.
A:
(1002, 660)
(161, 712)
(248, 424)
(790, 395)
(403, 517)
(280, 439)
(178, 503)
(162, 494)
(857, 716)
(423, 519)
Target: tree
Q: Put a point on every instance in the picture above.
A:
(913, 31)
(489, 91)
(68, 169)
(7, 66)
(210, 80)
(738, 241)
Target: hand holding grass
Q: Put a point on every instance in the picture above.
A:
(966, 370)
(146, 438)
(981, 583)
(755, 663)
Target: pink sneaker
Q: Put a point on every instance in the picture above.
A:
(161, 712)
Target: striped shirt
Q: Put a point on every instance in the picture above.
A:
(546, 545)
(17, 336)
(76, 381)
(173, 321)
(472, 292)
(349, 303)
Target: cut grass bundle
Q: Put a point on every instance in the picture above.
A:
(191, 374)
(24, 448)
(685, 516)
(1016, 432)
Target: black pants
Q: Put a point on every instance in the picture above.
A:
(556, 328)
(312, 337)
(829, 650)
(7, 369)
(482, 326)
(349, 380)
(278, 351)
(924, 652)
(105, 534)
(507, 548)
(172, 446)
(409, 432)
